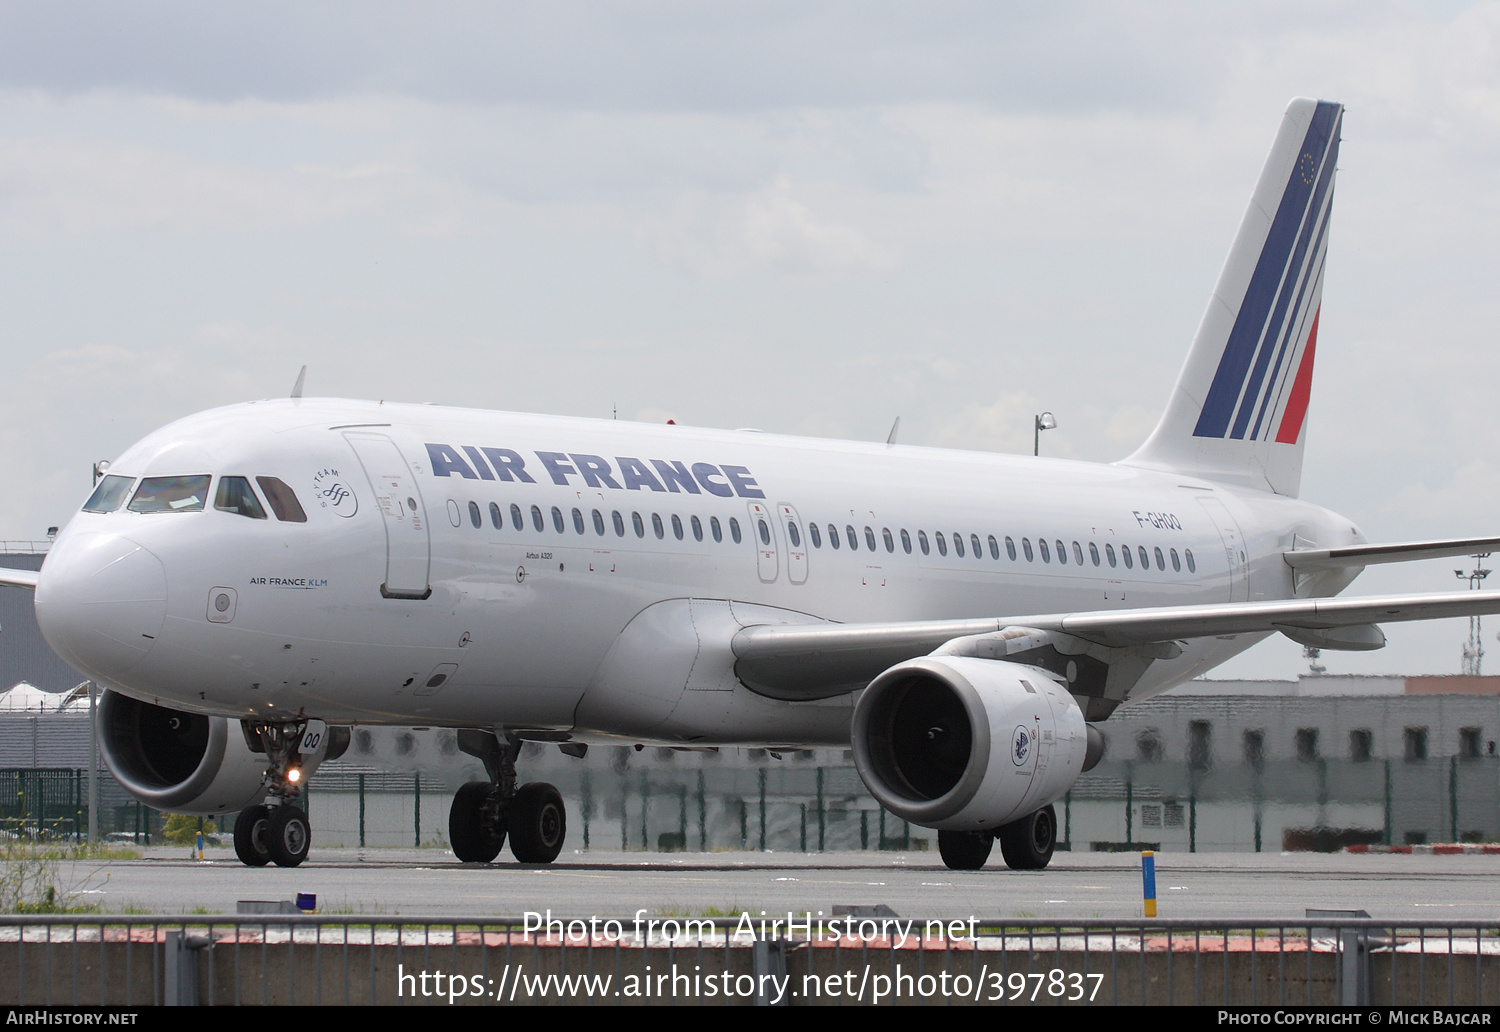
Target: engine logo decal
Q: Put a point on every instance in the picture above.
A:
(1020, 746)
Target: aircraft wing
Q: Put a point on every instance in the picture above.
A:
(1402, 552)
(18, 578)
(806, 661)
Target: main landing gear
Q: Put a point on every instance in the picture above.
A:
(484, 813)
(277, 831)
(1026, 844)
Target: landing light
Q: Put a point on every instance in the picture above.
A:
(294, 775)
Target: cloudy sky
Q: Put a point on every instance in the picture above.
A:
(805, 217)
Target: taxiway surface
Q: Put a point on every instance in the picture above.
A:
(1083, 886)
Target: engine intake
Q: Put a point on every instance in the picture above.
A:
(954, 742)
(184, 762)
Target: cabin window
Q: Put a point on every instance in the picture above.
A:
(794, 534)
(715, 529)
(1078, 554)
(1187, 553)
(958, 545)
(639, 524)
(922, 541)
(677, 526)
(557, 520)
(497, 518)
(833, 535)
(905, 541)
(536, 519)
(1062, 554)
(577, 522)
(234, 495)
(1176, 563)
(656, 526)
(474, 515)
(942, 543)
(817, 538)
(515, 517)
(598, 522)
(1046, 554)
(619, 522)
(697, 529)
(1094, 553)
(765, 532)
(890, 542)
(994, 548)
(1145, 559)
(974, 541)
(1026, 548)
(850, 537)
(1125, 554)
(870, 538)
(734, 530)
(1109, 554)
(1010, 548)
(110, 494)
(1160, 563)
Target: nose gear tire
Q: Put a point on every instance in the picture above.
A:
(288, 836)
(250, 836)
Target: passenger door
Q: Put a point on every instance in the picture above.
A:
(408, 545)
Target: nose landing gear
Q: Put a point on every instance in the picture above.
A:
(278, 832)
(485, 812)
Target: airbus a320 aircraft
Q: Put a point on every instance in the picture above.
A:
(250, 582)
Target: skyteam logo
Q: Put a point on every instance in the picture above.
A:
(333, 493)
(1020, 746)
(1261, 387)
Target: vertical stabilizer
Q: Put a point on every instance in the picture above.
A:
(1238, 412)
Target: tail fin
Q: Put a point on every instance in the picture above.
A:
(1238, 412)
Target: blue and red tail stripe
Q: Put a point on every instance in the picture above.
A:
(1276, 326)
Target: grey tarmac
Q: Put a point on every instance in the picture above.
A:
(1104, 886)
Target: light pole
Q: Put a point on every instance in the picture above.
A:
(1045, 421)
(1474, 647)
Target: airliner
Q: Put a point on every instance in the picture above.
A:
(249, 583)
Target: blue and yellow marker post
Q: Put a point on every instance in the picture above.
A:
(1148, 881)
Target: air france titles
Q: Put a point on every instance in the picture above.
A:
(575, 469)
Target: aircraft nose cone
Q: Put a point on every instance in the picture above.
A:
(101, 600)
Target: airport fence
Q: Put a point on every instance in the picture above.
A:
(800, 959)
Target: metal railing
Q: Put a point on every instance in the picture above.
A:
(339, 960)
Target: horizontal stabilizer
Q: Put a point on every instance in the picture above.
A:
(19, 578)
(806, 661)
(1402, 552)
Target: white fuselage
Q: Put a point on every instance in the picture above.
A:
(519, 623)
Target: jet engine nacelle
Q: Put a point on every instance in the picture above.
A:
(958, 743)
(183, 762)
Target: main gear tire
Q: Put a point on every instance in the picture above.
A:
(1027, 844)
(965, 850)
(538, 823)
(476, 838)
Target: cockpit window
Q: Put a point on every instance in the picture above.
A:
(283, 502)
(171, 494)
(109, 495)
(235, 495)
